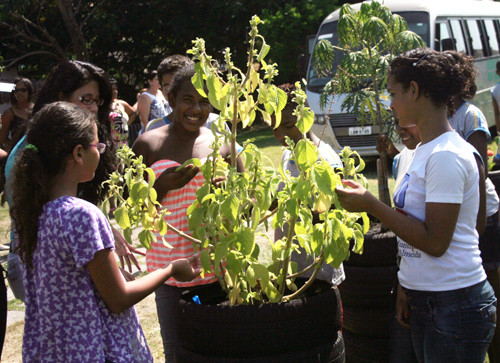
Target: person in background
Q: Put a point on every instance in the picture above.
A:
(14, 118)
(78, 306)
(287, 127)
(401, 159)
(495, 99)
(134, 123)
(151, 104)
(87, 86)
(443, 291)
(163, 150)
(471, 124)
(401, 346)
(120, 114)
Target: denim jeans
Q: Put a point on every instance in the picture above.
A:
(452, 326)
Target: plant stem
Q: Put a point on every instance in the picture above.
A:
(288, 246)
(308, 282)
(186, 236)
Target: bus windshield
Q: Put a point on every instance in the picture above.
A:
(417, 21)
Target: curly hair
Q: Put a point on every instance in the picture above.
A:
(64, 79)
(437, 74)
(464, 66)
(53, 133)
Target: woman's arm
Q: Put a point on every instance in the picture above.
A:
(433, 236)
(119, 295)
(7, 117)
(128, 109)
(143, 106)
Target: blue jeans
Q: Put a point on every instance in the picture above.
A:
(452, 326)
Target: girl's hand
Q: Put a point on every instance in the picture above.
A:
(173, 179)
(186, 269)
(356, 199)
(125, 251)
(402, 308)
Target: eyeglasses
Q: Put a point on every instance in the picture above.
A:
(22, 90)
(101, 147)
(88, 100)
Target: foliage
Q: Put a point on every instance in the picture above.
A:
(225, 216)
(127, 37)
(369, 39)
(136, 199)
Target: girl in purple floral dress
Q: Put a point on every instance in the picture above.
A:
(79, 308)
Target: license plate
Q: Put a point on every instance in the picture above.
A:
(360, 130)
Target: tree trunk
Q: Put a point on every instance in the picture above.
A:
(77, 39)
(383, 185)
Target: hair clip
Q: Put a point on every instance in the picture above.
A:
(31, 147)
(417, 62)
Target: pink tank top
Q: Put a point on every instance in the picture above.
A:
(176, 202)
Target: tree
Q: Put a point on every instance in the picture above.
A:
(29, 29)
(369, 39)
(128, 37)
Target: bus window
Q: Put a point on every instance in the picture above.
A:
(475, 39)
(329, 32)
(458, 35)
(491, 36)
(442, 32)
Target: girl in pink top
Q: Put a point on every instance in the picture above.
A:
(164, 149)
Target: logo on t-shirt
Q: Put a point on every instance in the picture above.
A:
(400, 192)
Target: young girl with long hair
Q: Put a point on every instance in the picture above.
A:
(443, 293)
(78, 306)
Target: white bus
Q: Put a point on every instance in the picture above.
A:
(467, 26)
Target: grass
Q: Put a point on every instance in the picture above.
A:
(146, 309)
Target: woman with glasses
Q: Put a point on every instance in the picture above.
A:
(88, 87)
(14, 118)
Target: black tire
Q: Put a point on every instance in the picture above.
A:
(379, 249)
(362, 349)
(495, 178)
(248, 331)
(368, 286)
(327, 353)
(375, 322)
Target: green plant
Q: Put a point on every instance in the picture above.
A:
(369, 39)
(225, 216)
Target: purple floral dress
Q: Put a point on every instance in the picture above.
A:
(66, 319)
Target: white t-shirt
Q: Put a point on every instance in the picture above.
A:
(327, 272)
(495, 92)
(401, 162)
(443, 170)
(467, 120)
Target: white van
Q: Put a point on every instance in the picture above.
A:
(467, 26)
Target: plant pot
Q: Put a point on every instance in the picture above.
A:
(305, 329)
(368, 298)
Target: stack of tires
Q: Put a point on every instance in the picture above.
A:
(301, 330)
(369, 297)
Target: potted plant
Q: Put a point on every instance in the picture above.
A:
(225, 217)
(368, 41)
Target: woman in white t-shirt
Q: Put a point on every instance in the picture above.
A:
(443, 294)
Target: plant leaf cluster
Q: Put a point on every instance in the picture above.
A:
(225, 218)
(135, 198)
(369, 39)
